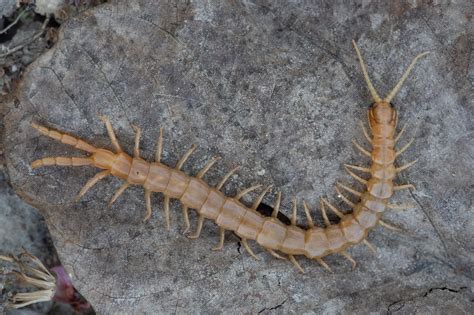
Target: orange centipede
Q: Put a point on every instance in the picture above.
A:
(230, 214)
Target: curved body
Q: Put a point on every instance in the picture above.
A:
(230, 214)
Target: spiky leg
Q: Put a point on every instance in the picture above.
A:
(361, 149)
(166, 202)
(389, 226)
(275, 254)
(295, 262)
(248, 249)
(207, 166)
(185, 157)
(221, 239)
(404, 167)
(242, 193)
(226, 177)
(186, 219)
(111, 133)
(276, 207)
(260, 197)
(199, 228)
(148, 205)
(406, 186)
(404, 148)
(118, 193)
(91, 182)
(323, 263)
(348, 257)
(159, 147)
(308, 215)
(136, 148)
(370, 246)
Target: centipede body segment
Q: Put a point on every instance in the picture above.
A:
(229, 213)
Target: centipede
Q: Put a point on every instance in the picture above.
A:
(231, 214)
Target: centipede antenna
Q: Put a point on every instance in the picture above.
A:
(372, 90)
(397, 87)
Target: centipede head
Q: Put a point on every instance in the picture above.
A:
(382, 113)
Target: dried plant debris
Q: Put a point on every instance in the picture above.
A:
(44, 285)
(31, 272)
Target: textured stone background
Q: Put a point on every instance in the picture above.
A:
(276, 88)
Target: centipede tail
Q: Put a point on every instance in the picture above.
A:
(230, 214)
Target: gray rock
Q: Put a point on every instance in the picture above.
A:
(276, 88)
(7, 7)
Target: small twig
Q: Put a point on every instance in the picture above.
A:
(14, 22)
(35, 37)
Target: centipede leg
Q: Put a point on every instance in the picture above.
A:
(91, 182)
(296, 263)
(334, 209)
(366, 134)
(400, 133)
(404, 148)
(118, 193)
(275, 254)
(389, 226)
(344, 198)
(185, 157)
(136, 148)
(242, 193)
(308, 215)
(276, 207)
(323, 263)
(406, 186)
(353, 191)
(361, 149)
(221, 239)
(186, 219)
(370, 246)
(359, 179)
(226, 177)
(359, 168)
(404, 167)
(248, 249)
(207, 167)
(348, 257)
(199, 228)
(148, 205)
(259, 199)
(399, 207)
(159, 147)
(294, 211)
(111, 133)
(166, 202)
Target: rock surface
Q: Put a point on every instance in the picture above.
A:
(273, 87)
